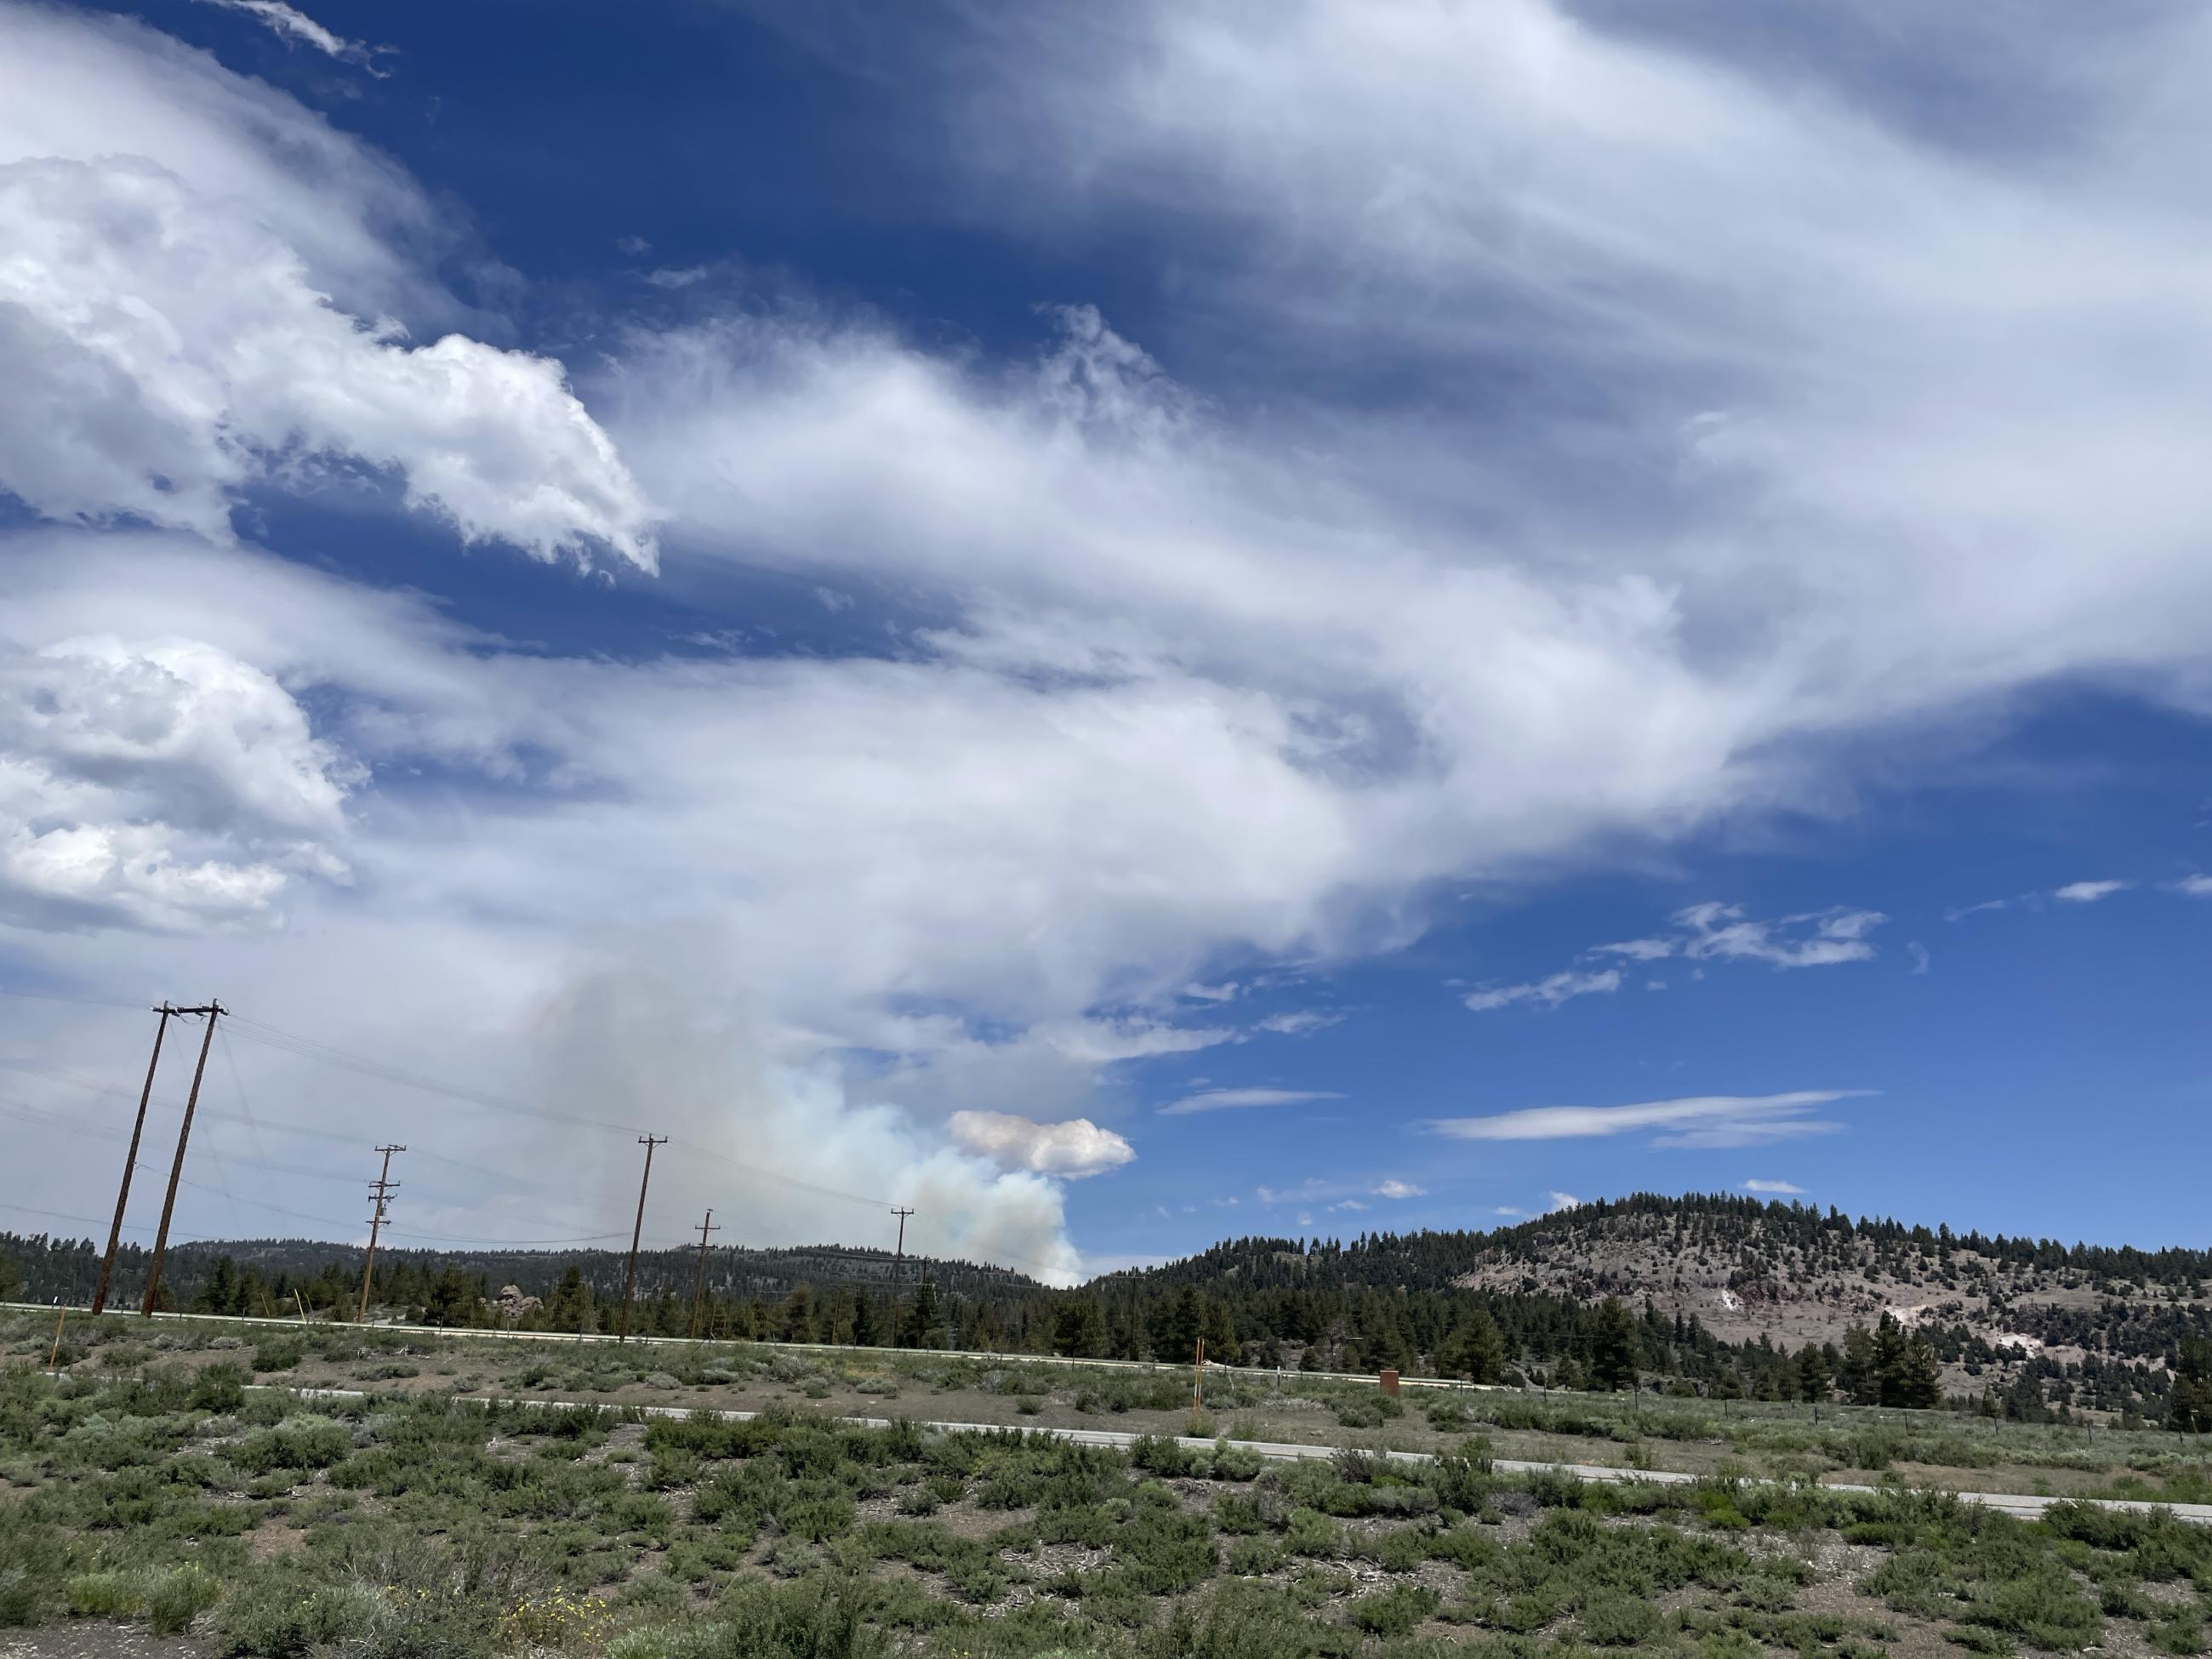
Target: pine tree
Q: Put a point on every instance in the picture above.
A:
(1220, 1328)
(450, 1300)
(1812, 1382)
(1475, 1350)
(569, 1308)
(922, 1319)
(1079, 1330)
(2188, 1408)
(1614, 1355)
(796, 1324)
(1176, 1328)
(1910, 1374)
(1128, 1332)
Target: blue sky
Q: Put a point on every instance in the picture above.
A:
(1125, 628)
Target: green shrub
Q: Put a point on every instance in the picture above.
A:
(1394, 1611)
(220, 1387)
(278, 1355)
(1311, 1533)
(1232, 1462)
(1619, 1621)
(178, 1597)
(1461, 1478)
(1447, 1413)
(172, 1597)
(2180, 1633)
(1981, 1641)
(297, 1442)
(1254, 1557)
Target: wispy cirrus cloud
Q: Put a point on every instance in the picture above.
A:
(1819, 939)
(1706, 1121)
(295, 27)
(1301, 1022)
(1224, 1100)
(1551, 993)
(2195, 886)
(1783, 1188)
(1713, 931)
(2088, 892)
(1225, 992)
(2074, 892)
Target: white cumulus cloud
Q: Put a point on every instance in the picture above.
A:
(1076, 1148)
(161, 783)
(1784, 1187)
(166, 343)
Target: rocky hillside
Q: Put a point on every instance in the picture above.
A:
(1748, 1269)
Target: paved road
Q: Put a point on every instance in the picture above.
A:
(2025, 1506)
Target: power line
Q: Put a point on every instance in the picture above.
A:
(309, 1048)
(60, 996)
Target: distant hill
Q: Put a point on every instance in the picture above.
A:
(1749, 1270)
(1792, 1273)
(1719, 1295)
(70, 1268)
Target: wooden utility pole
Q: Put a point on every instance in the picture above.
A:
(699, 1287)
(213, 1011)
(1197, 1384)
(629, 1279)
(379, 1194)
(898, 1261)
(129, 1163)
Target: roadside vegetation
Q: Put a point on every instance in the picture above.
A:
(170, 1479)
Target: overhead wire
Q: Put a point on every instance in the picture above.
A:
(60, 996)
(310, 1048)
(277, 1038)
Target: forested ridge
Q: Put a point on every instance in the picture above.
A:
(1696, 1294)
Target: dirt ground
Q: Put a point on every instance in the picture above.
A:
(96, 1640)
